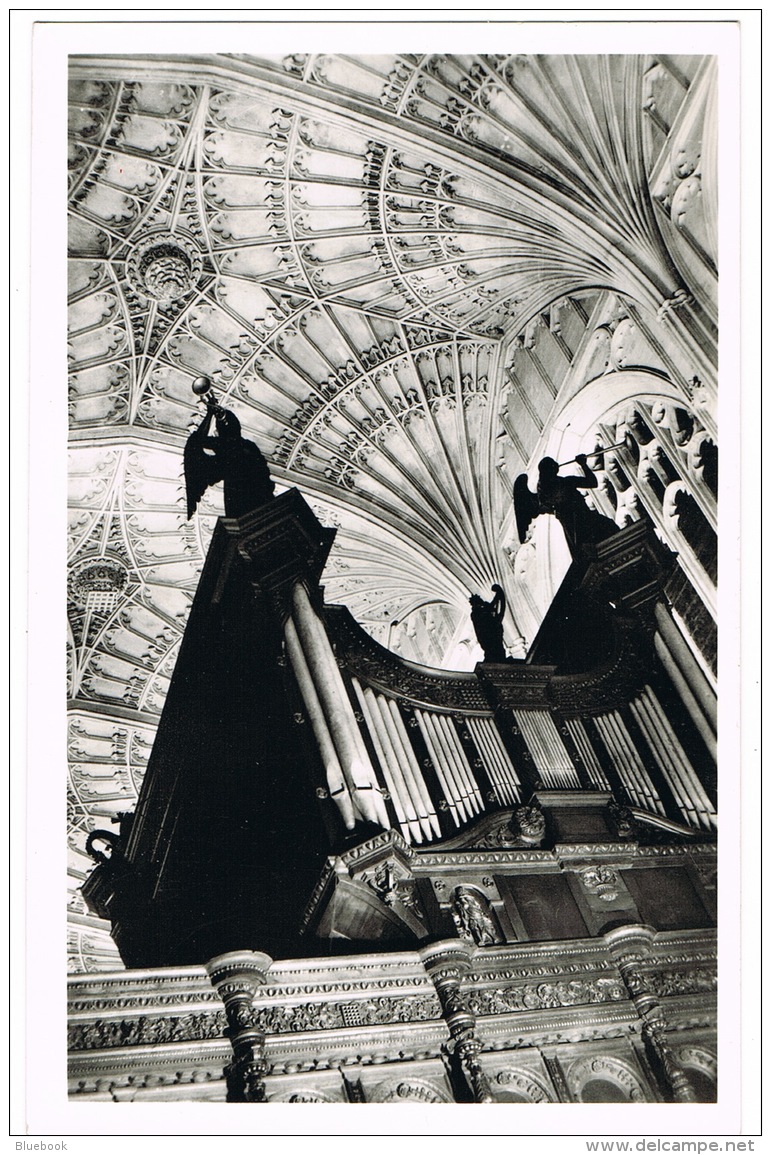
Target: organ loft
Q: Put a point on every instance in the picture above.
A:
(393, 842)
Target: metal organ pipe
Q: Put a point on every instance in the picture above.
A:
(450, 787)
(550, 757)
(335, 778)
(629, 759)
(412, 773)
(584, 747)
(646, 790)
(405, 813)
(495, 758)
(416, 802)
(681, 765)
(443, 751)
(688, 665)
(686, 695)
(489, 759)
(618, 758)
(444, 780)
(461, 761)
(330, 688)
(631, 770)
(656, 744)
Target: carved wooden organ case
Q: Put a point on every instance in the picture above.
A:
(311, 792)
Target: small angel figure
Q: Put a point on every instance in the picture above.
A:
(560, 496)
(472, 920)
(487, 620)
(228, 457)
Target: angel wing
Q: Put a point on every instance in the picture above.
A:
(526, 505)
(201, 470)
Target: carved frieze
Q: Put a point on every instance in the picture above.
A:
(381, 1010)
(182, 1073)
(140, 999)
(429, 860)
(682, 981)
(545, 995)
(146, 1030)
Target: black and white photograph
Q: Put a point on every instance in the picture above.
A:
(392, 427)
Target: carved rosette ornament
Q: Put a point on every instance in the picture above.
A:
(96, 583)
(236, 977)
(446, 963)
(629, 947)
(164, 267)
(521, 1083)
(607, 1068)
(531, 824)
(602, 881)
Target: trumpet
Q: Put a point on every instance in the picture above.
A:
(627, 443)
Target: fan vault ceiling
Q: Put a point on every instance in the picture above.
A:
(369, 256)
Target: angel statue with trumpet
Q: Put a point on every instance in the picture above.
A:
(560, 496)
(228, 457)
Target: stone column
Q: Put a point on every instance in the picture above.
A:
(629, 947)
(446, 963)
(236, 977)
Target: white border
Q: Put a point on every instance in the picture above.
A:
(44, 1109)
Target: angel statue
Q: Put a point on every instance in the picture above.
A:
(560, 496)
(472, 920)
(487, 620)
(228, 457)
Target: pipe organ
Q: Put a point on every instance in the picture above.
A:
(310, 793)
